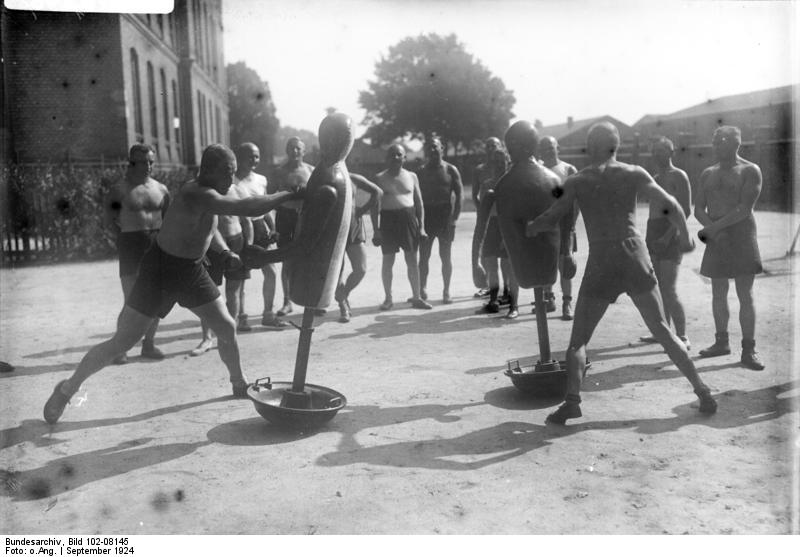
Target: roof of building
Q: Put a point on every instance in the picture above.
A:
(560, 131)
(741, 101)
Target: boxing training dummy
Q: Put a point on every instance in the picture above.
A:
(524, 192)
(316, 254)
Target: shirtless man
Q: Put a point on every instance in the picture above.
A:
(606, 192)
(726, 196)
(134, 208)
(291, 176)
(250, 183)
(548, 153)
(401, 225)
(356, 237)
(440, 184)
(172, 271)
(235, 233)
(661, 237)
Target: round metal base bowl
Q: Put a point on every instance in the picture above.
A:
(271, 401)
(535, 378)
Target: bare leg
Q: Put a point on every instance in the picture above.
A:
(287, 304)
(268, 287)
(445, 253)
(649, 306)
(719, 304)
(747, 308)
(673, 307)
(413, 272)
(216, 315)
(131, 326)
(357, 254)
(206, 341)
(386, 277)
(423, 268)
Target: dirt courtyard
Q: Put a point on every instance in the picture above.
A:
(434, 439)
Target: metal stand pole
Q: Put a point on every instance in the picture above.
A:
(541, 325)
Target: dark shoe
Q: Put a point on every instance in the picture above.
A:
(418, 303)
(120, 360)
(489, 307)
(386, 305)
(549, 305)
(566, 411)
(344, 311)
(721, 347)
(5, 367)
(504, 300)
(55, 405)
(707, 403)
(272, 322)
(648, 340)
(566, 309)
(151, 352)
(239, 389)
(243, 327)
(750, 357)
(285, 310)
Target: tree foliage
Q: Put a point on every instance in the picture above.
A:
(431, 84)
(252, 112)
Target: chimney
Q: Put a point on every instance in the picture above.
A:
(570, 122)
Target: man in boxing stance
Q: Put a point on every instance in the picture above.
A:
(606, 192)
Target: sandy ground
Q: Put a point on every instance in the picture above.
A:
(434, 438)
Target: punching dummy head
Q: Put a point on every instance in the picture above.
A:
(602, 141)
(521, 141)
(217, 166)
(335, 138)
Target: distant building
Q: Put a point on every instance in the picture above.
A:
(761, 115)
(572, 133)
(84, 87)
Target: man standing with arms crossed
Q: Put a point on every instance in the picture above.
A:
(401, 226)
(548, 153)
(440, 184)
(135, 207)
(606, 192)
(291, 176)
(172, 271)
(726, 196)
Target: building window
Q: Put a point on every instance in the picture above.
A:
(214, 50)
(198, 32)
(219, 129)
(160, 24)
(165, 113)
(201, 118)
(177, 121)
(207, 31)
(138, 124)
(151, 90)
(210, 120)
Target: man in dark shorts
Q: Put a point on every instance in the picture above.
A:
(440, 184)
(548, 153)
(662, 241)
(401, 225)
(172, 272)
(726, 196)
(356, 238)
(134, 209)
(291, 176)
(607, 192)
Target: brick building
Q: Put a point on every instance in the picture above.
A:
(84, 87)
(573, 133)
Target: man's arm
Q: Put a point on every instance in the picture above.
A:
(751, 189)
(458, 188)
(419, 210)
(654, 193)
(210, 200)
(476, 185)
(551, 217)
(375, 195)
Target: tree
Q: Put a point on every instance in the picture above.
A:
(252, 112)
(431, 85)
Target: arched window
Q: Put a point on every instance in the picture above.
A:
(151, 91)
(165, 113)
(138, 123)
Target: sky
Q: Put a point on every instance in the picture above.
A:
(579, 58)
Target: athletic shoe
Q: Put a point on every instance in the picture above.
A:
(344, 311)
(648, 340)
(417, 303)
(423, 294)
(285, 310)
(202, 348)
(566, 411)
(513, 313)
(242, 326)
(566, 310)
(721, 347)
(386, 305)
(239, 389)
(751, 360)
(490, 307)
(319, 312)
(482, 293)
(446, 299)
(273, 322)
(707, 403)
(55, 405)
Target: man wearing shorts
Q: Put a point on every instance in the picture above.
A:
(134, 209)
(401, 225)
(440, 184)
(548, 153)
(172, 272)
(356, 238)
(726, 196)
(606, 192)
(662, 240)
(291, 176)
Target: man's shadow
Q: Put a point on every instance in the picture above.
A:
(391, 324)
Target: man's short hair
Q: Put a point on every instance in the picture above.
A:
(143, 148)
(214, 155)
(665, 141)
(605, 130)
(294, 139)
(395, 146)
(245, 149)
(729, 130)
